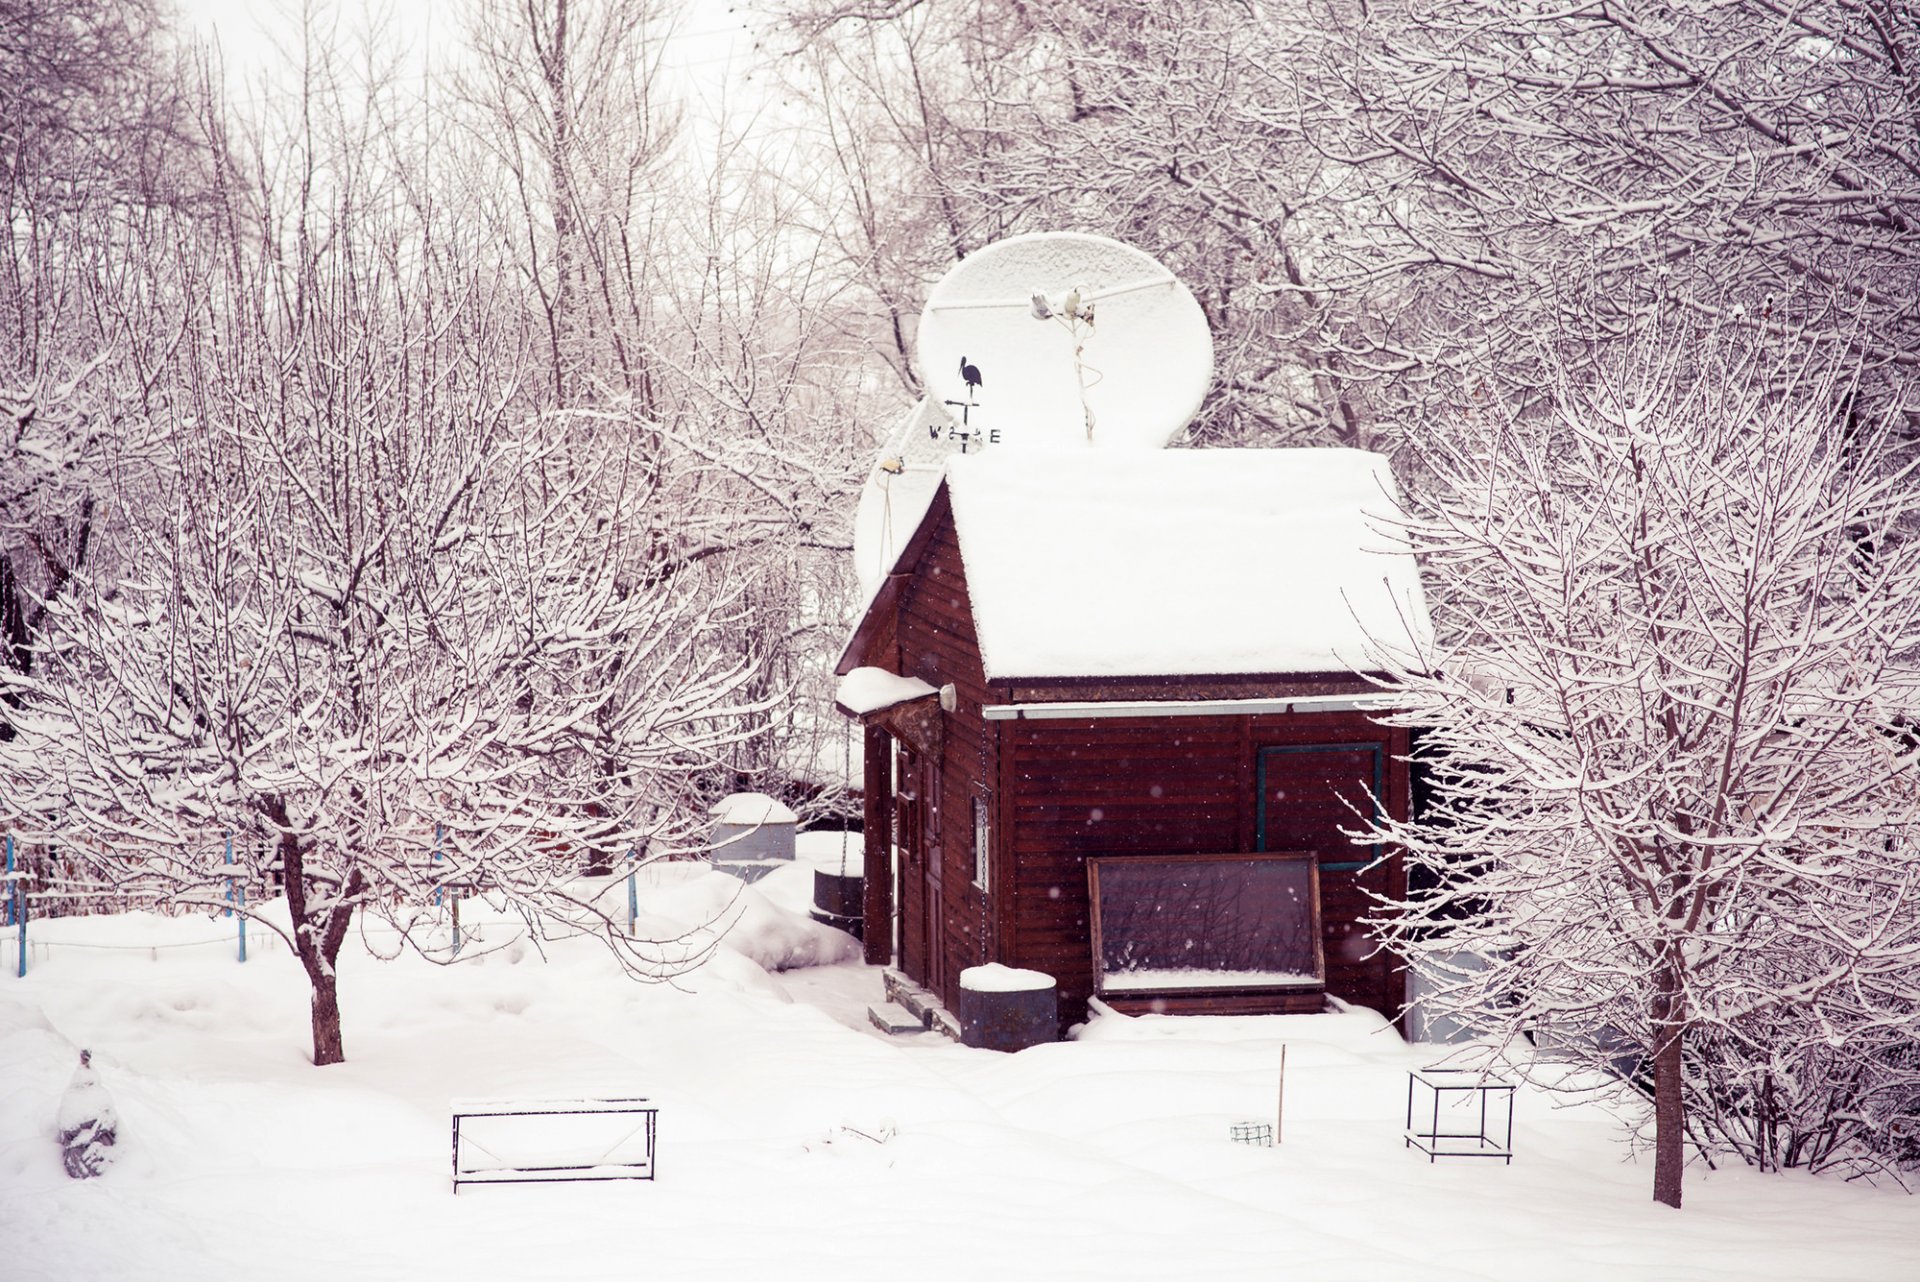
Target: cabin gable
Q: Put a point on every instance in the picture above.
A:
(1057, 771)
(922, 626)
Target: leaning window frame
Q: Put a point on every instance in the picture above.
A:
(1307, 859)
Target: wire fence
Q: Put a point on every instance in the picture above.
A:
(48, 878)
(66, 875)
(438, 941)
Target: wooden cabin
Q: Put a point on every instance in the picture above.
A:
(1120, 719)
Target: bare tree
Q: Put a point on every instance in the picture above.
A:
(95, 142)
(1177, 127)
(564, 103)
(1675, 782)
(674, 295)
(1555, 170)
(1381, 204)
(371, 593)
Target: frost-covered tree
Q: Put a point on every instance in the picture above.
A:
(1753, 161)
(94, 144)
(393, 628)
(673, 289)
(562, 99)
(1378, 203)
(954, 124)
(1671, 739)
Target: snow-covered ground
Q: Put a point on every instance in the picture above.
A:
(794, 1142)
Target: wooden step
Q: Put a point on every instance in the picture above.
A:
(907, 993)
(894, 1019)
(920, 1003)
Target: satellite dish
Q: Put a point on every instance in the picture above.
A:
(1059, 337)
(899, 490)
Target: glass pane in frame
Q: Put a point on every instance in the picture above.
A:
(1185, 923)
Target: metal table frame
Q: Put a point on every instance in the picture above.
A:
(647, 1116)
(1436, 1143)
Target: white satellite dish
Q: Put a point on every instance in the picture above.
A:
(1059, 337)
(899, 490)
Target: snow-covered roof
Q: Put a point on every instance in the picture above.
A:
(751, 809)
(1184, 562)
(867, 690)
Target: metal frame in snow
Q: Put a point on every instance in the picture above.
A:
(470, 1110)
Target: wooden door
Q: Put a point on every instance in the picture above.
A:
(910, 858)
(935, 920)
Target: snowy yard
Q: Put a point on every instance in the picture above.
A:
(794, 1142)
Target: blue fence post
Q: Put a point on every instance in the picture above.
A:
(18, 903)
(242, 915)
(228, 910)
(633, 895)
(437, 890)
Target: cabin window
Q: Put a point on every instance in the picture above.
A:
(982, 835)
(1206, 923)
(1313, 794)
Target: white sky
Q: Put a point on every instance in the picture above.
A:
(707, 56)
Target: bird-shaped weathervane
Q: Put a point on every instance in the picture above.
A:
(970, 375)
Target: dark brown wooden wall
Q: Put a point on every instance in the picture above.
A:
(937, 643)
(1062, 790)
(1185, 785)
(1309, 786)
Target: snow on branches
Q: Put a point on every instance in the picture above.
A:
(382, 609)
(1673, 743)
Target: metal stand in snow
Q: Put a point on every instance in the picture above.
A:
(552, 1141)
(1471, 1088)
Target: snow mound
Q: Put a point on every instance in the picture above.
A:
(1085, 563)
(748, 923)
(995, 978)
(867, 690)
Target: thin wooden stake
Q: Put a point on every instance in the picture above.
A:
(1280, 1112)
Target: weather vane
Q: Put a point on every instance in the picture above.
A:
(970, 376)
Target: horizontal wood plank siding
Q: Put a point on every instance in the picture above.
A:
(1076, 788)
(1105, 787)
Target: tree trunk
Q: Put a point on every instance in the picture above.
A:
(327, 1047)
(554, 56)
(320, 954)
(1669, 1108)
(318, 933)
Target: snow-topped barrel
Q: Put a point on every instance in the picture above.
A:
(1007, 1008)
(752, 835)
